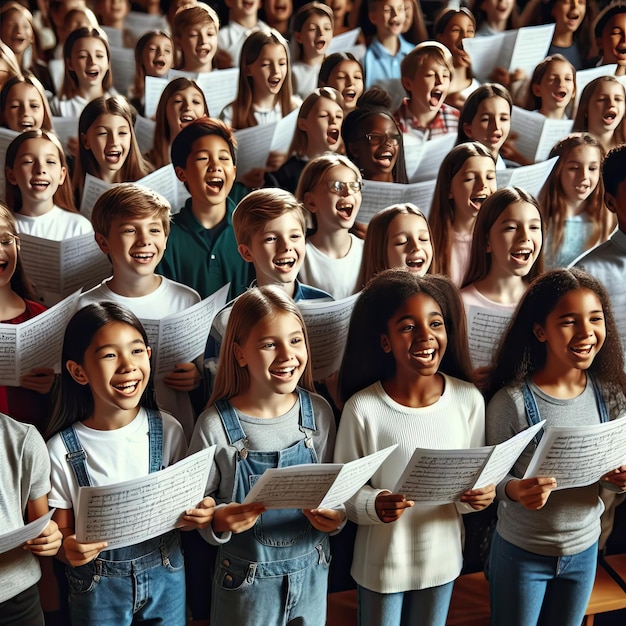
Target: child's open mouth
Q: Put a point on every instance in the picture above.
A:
(127, 388)
(285, 264)
(93, 74)
(203, 51)
(477, 201)
(215, 184)
(113, 156)
(435, 97)
(581, 189)
(27, 124)
(159, 63)
(3, 266)
(582, 350)
(560, 95)
(522, 255)
(186, 118)
(274, 83)
(344, 210)
(332, 136)
(609, 117)
(349, 94)
(143, 257)
(319, 44)
(384, 159)
(415, 264)
(426, 356)
(39, 185)
(284, 373)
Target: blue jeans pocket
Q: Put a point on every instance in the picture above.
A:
(175, 560)
(231, 579)
(81, 579)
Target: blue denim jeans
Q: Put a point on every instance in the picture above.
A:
(405, 608)
(527, 589)
(272, 593)
(143, 582)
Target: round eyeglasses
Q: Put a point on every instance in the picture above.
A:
(341, 188)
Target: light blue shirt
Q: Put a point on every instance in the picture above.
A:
(381, 65)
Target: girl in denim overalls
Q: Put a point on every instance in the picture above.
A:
(107, 429)
(560, 360)
(272, 566)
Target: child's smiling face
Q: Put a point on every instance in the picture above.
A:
(429, 86)
(606, 108)
(109, 139)
(90, 61)
(24, 109)
(199, 45)
(376, 151)
(315, 36)
(569, 14)
(388, 17)
(269, 71)
(556, 88)
(347, 78)
(614, 40)
(323, 126)
(471, 186)
(157, 57)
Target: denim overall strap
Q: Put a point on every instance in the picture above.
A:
(604, 413)
(288, 529)
(532, 410)
(155, 436)
(76, 456)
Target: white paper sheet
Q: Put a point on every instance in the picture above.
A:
(137, 510)
(181, 337)
(442, 476)
(513, 49)
(536, 134)
(530, 178)
(153, 88)
(580, 455)
(432, 153)
(144, 131)
(253, 147)
(36, 342)
(15, 538)
(327, 325)
(343, 41)
(484, 329)
(64, 128)
(219, 88)
(315, 485)
(58, 268)
(377, 196)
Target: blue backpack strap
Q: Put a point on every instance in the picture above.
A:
(76, 456)
(604, 413)
(532, 410)
(155, 440)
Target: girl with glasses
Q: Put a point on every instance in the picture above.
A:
(330, 190)
(373, 140)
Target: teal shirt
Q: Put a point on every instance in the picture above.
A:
(198, 259)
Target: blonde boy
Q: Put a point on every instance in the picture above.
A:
(426, 74)
(131, 225)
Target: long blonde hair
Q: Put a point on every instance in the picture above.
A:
(252, 307)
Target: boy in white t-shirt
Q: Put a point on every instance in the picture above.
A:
(131, 225)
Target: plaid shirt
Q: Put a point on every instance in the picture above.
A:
(446, 121)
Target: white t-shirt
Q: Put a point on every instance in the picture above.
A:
(56, 224)
(338, 277)
(168, 298)
(304, 78)
(230, 38)
(112, 456)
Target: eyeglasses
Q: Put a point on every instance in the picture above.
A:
(375, 139)
(341, 188)
(8, 239)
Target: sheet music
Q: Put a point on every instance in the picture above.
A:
(92, 190)
(144, 131)
(580, 455)
(181, 337)
(531, 47)
(59, 268)
(163, 181)
(37, 342)
(15, 538)
(219, 88)
(122, 68)
(64, 128)
(484, 329)
(343, 41)
(253, 147)
(442, 476)
(531, 178)
(146, 507)
(314, 485)
(584, 77)
(536, 134)
(283, 134)
(153, 88)
(378, 195)
(433, 153)
(499, 464)
(6, 137)
(327, 325)
(513, 49)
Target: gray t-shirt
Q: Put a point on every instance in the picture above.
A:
(25, 476)
(570, 521)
